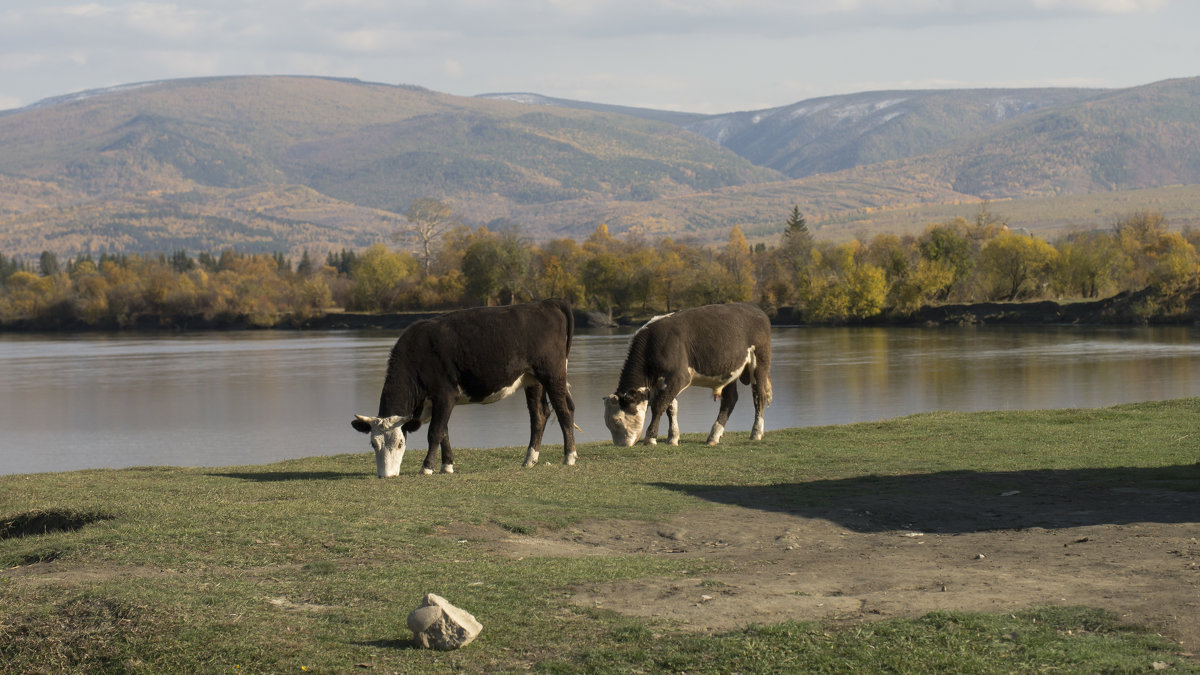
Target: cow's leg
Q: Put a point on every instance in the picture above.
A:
(539, 411)
(762, 398)
(729, 397)
(564, 409)
(673, 422)
(659, 402)
(439, 436)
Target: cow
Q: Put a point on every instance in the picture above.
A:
(709, 346)
(477, 355)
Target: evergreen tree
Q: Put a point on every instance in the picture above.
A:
(305, 267)
(796, 222)
(48, 264)
(181, 261)
(342, 262)
(7, 267)
(207, 261)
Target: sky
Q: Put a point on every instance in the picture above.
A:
(705, 56)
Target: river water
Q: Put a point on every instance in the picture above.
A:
(221, 399)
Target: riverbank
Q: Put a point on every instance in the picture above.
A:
(1143, 307)
(989, 542)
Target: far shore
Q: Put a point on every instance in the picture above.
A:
(1124, 309)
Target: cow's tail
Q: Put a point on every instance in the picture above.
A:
(565, 307)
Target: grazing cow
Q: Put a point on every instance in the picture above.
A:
(708, 346)
(477, 355)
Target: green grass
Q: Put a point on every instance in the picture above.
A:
(315, 563)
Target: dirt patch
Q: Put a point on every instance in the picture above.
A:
(904, 546)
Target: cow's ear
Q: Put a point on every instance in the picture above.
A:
(362, 423)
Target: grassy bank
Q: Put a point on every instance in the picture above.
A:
(314, 564)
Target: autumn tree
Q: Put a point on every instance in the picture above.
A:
(843, 285)
(1176, 264)
(556, 270)
(1015, 264)
(736, 259)
(497, 267)
(912, 280)
(377, 277)
(428, 220)
(1089, 263)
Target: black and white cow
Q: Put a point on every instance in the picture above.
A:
(710, 346)
(477, 355)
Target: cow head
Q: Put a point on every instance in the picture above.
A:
(387, 439)
(624, 415)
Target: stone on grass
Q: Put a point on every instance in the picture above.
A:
(437, 624)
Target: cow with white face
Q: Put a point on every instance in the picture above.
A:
(478, 355)
(712, 346)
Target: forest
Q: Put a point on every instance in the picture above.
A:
(436, 263)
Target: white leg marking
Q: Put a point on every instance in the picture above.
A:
(447, 468)
(569, 460)
(426, 472)
(715, 435)
(531, 457)
(756, 433)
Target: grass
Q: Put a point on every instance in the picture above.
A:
(314, 564)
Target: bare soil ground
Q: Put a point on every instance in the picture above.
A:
(917, 544)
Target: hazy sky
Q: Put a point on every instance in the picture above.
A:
(696, 55)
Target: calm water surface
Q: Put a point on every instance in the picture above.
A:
(257, 397)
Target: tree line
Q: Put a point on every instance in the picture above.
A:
(443, 264)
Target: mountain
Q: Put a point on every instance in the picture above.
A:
(287, 163)
(294, 163)
(860, 158)
(682, 119)
(834, 133)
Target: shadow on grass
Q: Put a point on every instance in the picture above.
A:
(391, 644)
(958, 502)
(277, 476)
(44, 521)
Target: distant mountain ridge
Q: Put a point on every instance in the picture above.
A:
(294, 163)
(835, 133)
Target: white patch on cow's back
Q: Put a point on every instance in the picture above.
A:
(522, 381)
(652, 320)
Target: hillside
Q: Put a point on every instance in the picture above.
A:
(830, 134)
(285, 163)
(294, 163)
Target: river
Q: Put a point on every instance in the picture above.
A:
(239, 398)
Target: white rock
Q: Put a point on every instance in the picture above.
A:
(437, 624)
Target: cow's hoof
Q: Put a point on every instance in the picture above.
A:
(447, 468)
(531, 458)
(426, 471)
